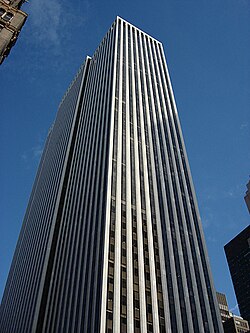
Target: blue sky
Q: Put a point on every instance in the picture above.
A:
(207, 44)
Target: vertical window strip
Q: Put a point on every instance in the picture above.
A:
(142, 191)
(85, 135)
(110, 298)
(151, 193)
(105, 319)
(32, 233)
(59, 286)
(117, 264)
(136, 303)
(153, 212)
(206, 308)
(123, 275)
(73, 254)
(136, 298)
(150, 246)
(201, 247)
(55, 261)
(143, 318)
(136, 274)
(185, 227)
(34, 229)
(174, 225)
(173, 300)
(176, 219)
(90, 157)
(179, 191)
(107, 95)
(61, 318)
(85, 275)
(129, 228)
(97, 163)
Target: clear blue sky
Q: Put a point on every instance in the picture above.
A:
(207, 44)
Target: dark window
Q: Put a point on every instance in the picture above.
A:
(7, 17)
(2, 11)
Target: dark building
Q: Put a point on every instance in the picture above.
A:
(223, 306)
(12, 19)
(112, 239)
(247, 196)
(238, 258)
(236, 325)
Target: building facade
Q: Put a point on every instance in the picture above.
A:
(112, 239)
(231, 322)
(236, 324)
(238, 258)
(223, 306)
(12, 19)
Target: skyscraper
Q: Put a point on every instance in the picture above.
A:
(12, 19)
(112, 238)
(238, 258)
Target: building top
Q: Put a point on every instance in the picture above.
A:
(136, 28)
(221, 298)
(103, 40)
(238, 243)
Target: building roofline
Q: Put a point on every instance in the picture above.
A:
(145, 33)
(237, 236)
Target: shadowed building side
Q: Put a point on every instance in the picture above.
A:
(23, 288)
(238, 258)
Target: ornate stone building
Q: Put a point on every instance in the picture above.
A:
(12, 19)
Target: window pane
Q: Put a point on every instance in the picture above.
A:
(7, 17)
(2, 11)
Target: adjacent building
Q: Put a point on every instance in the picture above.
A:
(231, 322)
(12, 19)
(112, 239)
(247, 196)
(238, 258)
(236, 324)
(223, 306)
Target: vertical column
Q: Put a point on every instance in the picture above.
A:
(117, 264)
(109, 186)
(193, 291)
(144, 167)
(143, 318)
(175, 311)
(130, 303)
